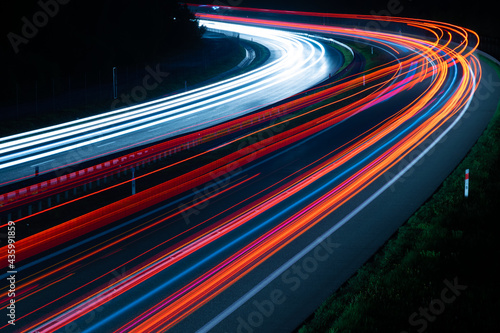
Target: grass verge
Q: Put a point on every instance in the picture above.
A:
(450, 240)
(348, 56)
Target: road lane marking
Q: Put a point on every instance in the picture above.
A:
(106, 144)
(271, 277)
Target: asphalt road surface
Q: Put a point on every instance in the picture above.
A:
(258, 249)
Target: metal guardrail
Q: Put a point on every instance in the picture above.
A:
(62, 183)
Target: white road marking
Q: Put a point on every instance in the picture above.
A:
(252, 292)
(106, 144)
(38, 164)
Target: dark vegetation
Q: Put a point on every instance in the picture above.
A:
(90, 93)
(93, 34)
(54, 43)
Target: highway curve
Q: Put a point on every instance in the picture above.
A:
(284, 220)
(296, 64)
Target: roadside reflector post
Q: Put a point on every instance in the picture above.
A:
(467, 183)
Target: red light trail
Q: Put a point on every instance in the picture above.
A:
(442, 73)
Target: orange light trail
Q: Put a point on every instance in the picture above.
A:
(445, 71)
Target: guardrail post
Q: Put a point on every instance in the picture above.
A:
(133, 181)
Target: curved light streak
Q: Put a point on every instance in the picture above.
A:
(299, 55)
(446, 74)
